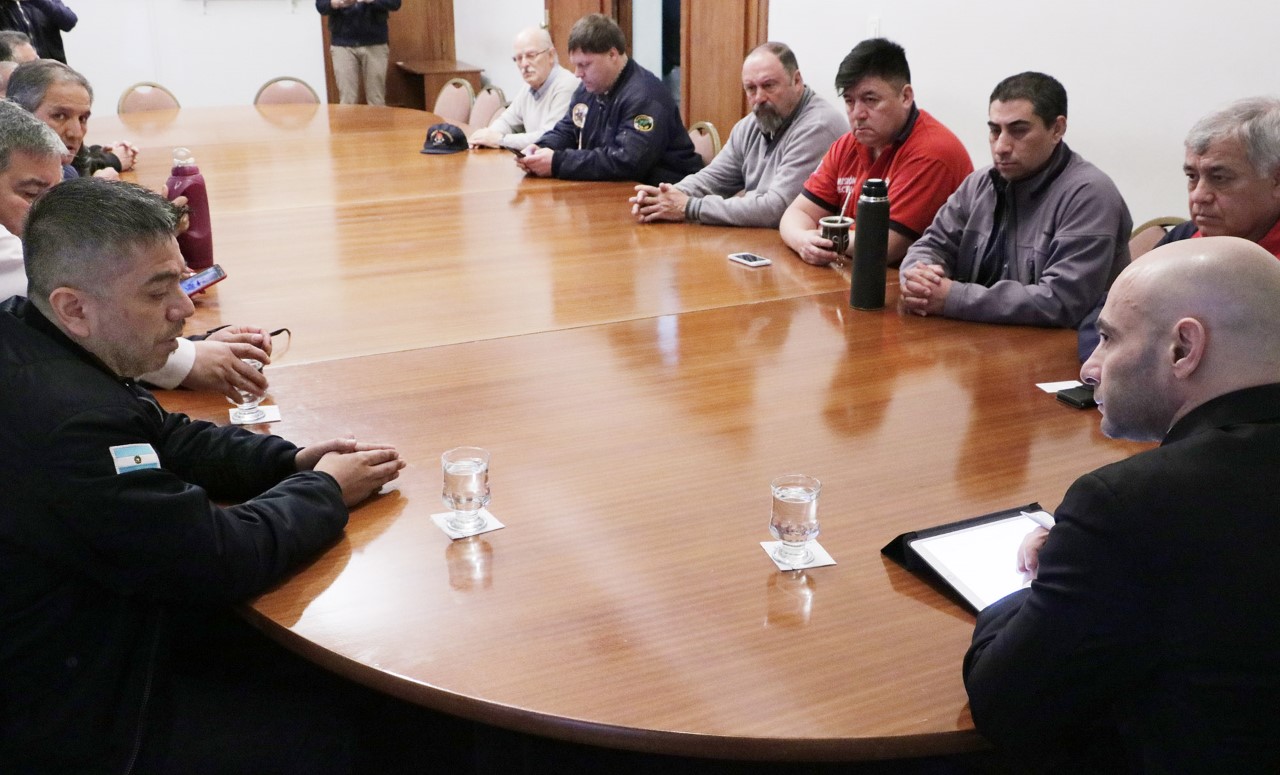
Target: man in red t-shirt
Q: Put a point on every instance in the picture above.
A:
(891, 139)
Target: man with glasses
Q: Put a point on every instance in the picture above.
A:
(548, 90)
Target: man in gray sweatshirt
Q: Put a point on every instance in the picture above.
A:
(767, 158)
(1035, 239)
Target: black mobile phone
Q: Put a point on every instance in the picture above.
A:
(201, 280)
(519, 153)
(1079, 397)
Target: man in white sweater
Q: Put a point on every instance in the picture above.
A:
(544, 100)
(767, 158)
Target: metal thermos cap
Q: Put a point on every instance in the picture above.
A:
(875, 188)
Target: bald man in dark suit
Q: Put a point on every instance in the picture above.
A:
(1149, 640)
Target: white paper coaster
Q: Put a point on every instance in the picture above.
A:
(271, 412)
(820, 555)
(490, 523)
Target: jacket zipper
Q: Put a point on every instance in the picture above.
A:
(146, 696)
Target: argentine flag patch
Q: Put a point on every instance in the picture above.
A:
(134, 457)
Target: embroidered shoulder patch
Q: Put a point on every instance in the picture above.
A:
(643, 123)
(134, 457)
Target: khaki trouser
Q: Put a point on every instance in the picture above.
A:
(349, 62)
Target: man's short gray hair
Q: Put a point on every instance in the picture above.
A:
(24, 133)
(84, 231)
(30, 82)
(1254, 121)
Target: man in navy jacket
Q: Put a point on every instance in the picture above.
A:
(622, 124)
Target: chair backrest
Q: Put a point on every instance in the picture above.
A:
(286, 90)
(145, 96)
(489, 102)
(1147, 235)
(453, 104)
(706, 140)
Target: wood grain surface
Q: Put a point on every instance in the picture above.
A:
(637, 392)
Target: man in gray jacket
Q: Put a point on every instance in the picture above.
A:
(1035, 239)
(769, 154)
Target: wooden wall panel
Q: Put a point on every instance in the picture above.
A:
(561, 14)
(715, 37)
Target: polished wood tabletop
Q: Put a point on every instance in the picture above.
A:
(329, 221)
(638, 392)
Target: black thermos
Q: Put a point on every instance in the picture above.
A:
(870, 246)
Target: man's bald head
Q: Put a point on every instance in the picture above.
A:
(1187, 322)
(534, 55)
(534, 38)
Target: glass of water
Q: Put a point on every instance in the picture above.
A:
(466, 487)
(794, 520)
(247, 409)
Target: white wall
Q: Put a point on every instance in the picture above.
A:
(207, 52)
(1138, 73)
(483, 31)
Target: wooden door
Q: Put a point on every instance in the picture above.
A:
(560, 16)
(715, 36)
(711, 68)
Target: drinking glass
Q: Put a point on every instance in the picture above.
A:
(247, 409)
(794, 520)
(466, 487)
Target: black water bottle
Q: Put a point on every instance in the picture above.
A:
(870, 246)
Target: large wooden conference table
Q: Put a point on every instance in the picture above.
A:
(637, 392)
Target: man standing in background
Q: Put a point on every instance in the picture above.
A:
(43, 21)
(358, 47)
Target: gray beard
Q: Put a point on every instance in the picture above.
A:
(770, 122)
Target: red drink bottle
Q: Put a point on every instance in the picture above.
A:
(196, 243)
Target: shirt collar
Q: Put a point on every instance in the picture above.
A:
(1248, 405)
(1042, 178)
(551, 76)
(1270, 241)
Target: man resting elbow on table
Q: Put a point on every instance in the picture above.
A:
(890, 138)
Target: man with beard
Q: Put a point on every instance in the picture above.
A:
(766, 159)
(1145, 642)
(890, 139)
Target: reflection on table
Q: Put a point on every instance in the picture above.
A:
(638, 392)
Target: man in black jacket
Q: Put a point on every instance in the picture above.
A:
(112, 542)
(43, 21)
(1150, 629)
